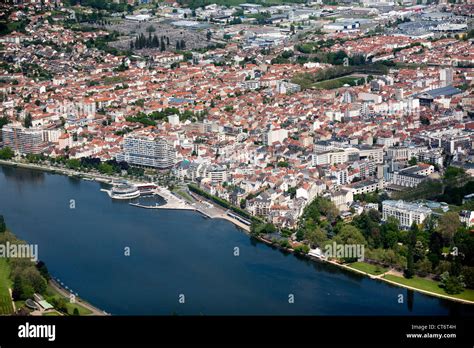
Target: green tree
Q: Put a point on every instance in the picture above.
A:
(17, 290)
(316, 236)
(453, 173)
(419, 251)
(41, 266)
(6, 153)
(21, 289)
(162, 45)
(73, 163)
(452, 284)
(3, 121)
(413, 161)
(468, 274)
(105, 168)
(3, 226)
(33, 278)
(292, 192)
(435, 248)
(301, 249)
(390, 233)
(28, 122)
(448, 224)
(75, 312)
(410, 269)
(350, 235)
(59, 304)
(257, 229)
(423, 267)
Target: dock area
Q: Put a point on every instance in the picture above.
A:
(163, 206)
(171, 201)
(206, 209)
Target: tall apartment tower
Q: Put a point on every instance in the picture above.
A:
(148, 151)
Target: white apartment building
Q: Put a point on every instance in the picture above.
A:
(467, 217)
(371, 152)
(342, 199)
(216, 173)
(329, 157)
(404, 153)
(388, 141)
(406, 213)
(275, 135)
(148, 151)
(23, 140)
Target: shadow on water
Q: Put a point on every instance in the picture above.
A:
(319, 266)
(18, 177)
(74, 181)
(410, 299)
(22, 175)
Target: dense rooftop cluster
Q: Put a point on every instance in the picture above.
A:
(237, 120)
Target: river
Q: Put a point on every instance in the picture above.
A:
(180, 262)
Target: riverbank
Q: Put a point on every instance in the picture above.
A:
(90, 258)
(53, 290)
(176, 203)
(79, 302)
(352, 269)
(7, 306)
(380, 277)
(216, 212)
(65, 171)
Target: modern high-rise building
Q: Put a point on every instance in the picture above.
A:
(23, 140)
(148, 151)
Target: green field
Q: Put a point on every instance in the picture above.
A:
(6, 307)
(339, 82)
(52, 293)
(182, 193)
(82, 310)
(368, 268)
(429, 285)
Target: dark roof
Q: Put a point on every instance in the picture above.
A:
(443, 91)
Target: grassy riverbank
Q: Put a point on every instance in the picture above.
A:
(368, 268)
(430, 286)
(53, 295)
(22, 278)
(6, 307)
